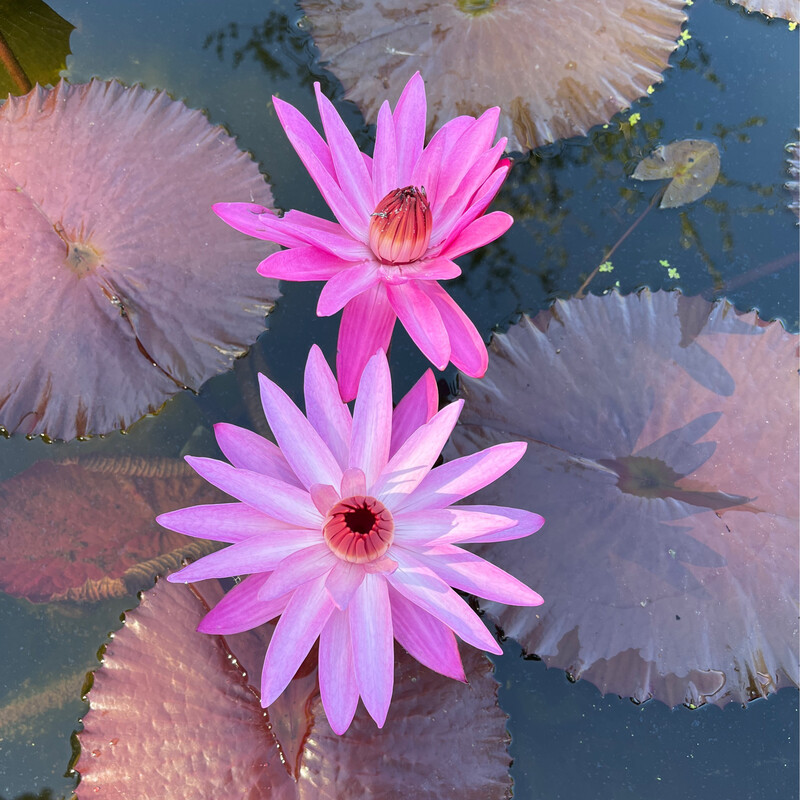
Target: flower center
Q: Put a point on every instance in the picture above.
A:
(400, 227)
(359, 529)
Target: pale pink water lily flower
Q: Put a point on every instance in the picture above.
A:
(347, 531)
(403, 215)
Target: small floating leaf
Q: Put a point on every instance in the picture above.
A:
(693, 165)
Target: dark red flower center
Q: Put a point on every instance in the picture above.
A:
(400, 227)
(359, 529)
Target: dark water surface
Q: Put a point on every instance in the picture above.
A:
(735, 83)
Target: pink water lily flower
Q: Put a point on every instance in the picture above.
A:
(348, 533)
(403, 216)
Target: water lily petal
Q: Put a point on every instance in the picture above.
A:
(415, 457)
(384, 175)
(422, 320)
(467, 349)
(351, 172)
(431, 642)
(477, 205)
(298, 127)
(481, 231)
(297, 630)
(473, 181)
(342, 582)
(466, 150)
(367, 324)
(304, 449)
(526, 523)
(324, 408)
(293, 229)
(373, 645)
(456, 479)
(415, 409)
(247, 450)
(354, 482)
(307, 263)
(240, 609)
(429, 165)
(324, 497)
(298, 568)
(346, 285)
(419, 584)
(431, 269)
(273, 497)
(473, 575)
(372, 420)
(452, 525)
(410, 115)
(254, 220)
(337, 681)
(257, 554)
(322, 171)
(222, 522)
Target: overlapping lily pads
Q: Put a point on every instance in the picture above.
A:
(556, 69)
(172, 715)
(120, 285)
(662, 451)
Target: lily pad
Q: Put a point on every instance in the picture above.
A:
(781, 9)
(121, 286)
(662, 451)
(173, 708)
(87, 532)
(556, 69)
(693, 165)
(34, 45)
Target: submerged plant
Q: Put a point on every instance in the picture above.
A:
(348, 532)
(403, 216)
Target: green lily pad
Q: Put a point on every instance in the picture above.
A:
(34, 45)
(693, 165)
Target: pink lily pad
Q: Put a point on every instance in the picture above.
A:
(82, 533)
(172, 707)
(556, 69)
(662, 451)
(121, 286)
(693, 165)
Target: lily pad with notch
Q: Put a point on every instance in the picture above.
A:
(662, 452)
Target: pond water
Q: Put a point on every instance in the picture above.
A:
(734, 82)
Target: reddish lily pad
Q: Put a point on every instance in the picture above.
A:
(82, 533)
(172, 708)
(34, 45)
(556, 69)
(662, 451)
(693, 165)
(121, 286)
